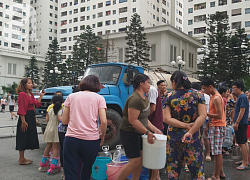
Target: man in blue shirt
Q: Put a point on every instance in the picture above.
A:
(241, 123)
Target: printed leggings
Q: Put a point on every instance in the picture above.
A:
(179, 152)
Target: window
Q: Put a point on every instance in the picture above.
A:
(70, 21)
(99, 33)
(99, 24)
(63, 31)
(88, 8)
(50, 22)
(88, 17)
(247, 24)
(75, 11)
(120, 54)
(191, 60)
(76, 19)
(122, 10)
(63, 48)
(222, 2)
(180, 13)
(23, 30)
(190, 10)
(82, 27)
(114, 2)
(122, 1)
(108, 3)
(94, 6)
(248, 36)
(153, 52)
(164, 11)
(70, 47)
(200, 30)
(203, 41)
(6, 34)
(100, 5)
(100, 14)
(9, 65)
(63, 5)
(247, 11)
(82, 9)
(51, 7)
(164, 2)
(236, 12)
(153, 6)
(163, 19)
(50, 38)
(5, 44)
(70, 12)
(190, 22)
(123, 20)
(107, 23)
(93, 25)
(64, 13)
(200, 6)
(64, 39)
(15, 36)
(114, 12)
(93, 16)
(153, 16)
(114, 21)
(134, 10)
(82, 18)
(70, 38)
(236, 1)
(171, 53)
(212, 4)
(6, 25)
(200, 18)
(108, 13)
(7, 16)
(75, 28)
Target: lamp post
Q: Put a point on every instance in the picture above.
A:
(54, 72)
(180, 63)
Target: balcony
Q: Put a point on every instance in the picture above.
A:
(123, 20)
(200, 6)
(18, 1)
(64, 13)
(200, 30)
(199, 18)
(222, 2)
(63, 22)
(63, 5)
(19, 10)
(15, 18)
(64, 39)
(122, 10)
(17, 46)
(236, 25)
(63, 31)
(236, 12)
(236, 1)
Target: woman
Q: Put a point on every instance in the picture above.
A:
(135, 123)
(82, 139)
(26, 136)
(185, 113)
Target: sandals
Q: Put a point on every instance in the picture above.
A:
(227, 153)
(208, 158)
(211, 178)
(26, 163)
(186, 170)
(238, 163)
(242, 168)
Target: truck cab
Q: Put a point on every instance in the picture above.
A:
(115, 77)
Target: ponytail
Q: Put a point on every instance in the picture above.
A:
(138, 79)
(181, 79)
(57, 100)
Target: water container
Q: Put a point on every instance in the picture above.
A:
(105, 152)
(99, 168)
(154, 155)
(228, 142)
(113, 170)
(118, 153)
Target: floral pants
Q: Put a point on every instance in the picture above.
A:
(179, 152)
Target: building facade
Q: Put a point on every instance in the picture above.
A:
(166, 44)
(196, 11)
(112, 16)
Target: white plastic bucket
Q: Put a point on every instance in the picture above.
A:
(154, 155)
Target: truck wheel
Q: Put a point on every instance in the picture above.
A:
(114, 120)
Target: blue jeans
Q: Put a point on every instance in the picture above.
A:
(79, 156)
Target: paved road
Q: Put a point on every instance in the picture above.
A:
(11, 170)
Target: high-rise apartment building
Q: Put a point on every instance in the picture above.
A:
(112, 16)
(43, 24)
(196, 11)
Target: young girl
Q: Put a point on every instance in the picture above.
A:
(53, 117)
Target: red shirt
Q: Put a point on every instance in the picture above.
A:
(25, 103)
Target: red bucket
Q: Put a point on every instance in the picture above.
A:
(113, 170)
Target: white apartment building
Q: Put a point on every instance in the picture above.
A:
(196, 11)
(43, 21)
(112, 16)
(14, 24)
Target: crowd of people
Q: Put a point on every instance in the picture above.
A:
(193, 115)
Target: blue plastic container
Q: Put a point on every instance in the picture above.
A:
(99, 168)
(144, 171)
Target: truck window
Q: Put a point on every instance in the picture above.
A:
(124, 79)
(106, 74)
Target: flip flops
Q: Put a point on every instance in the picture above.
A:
(208, 158)
(186, 170)
(242, 168)
(238, 163)
(26, 163)
(211, 178)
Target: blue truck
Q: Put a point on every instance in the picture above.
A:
(115, 77)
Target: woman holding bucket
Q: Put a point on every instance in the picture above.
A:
(185, 113)
(135, 123)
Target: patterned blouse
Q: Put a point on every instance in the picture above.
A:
(184, 107)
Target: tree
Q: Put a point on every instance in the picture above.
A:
(215, 62)
(138, 48)
(239, 51)
(32, 71)
(53, 59)
(86, 50)
(12, 88)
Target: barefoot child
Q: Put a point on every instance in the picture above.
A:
(53, 117)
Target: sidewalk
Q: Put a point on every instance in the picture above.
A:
(8, 126)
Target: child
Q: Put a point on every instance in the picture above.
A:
(3, 104)
(53, 117)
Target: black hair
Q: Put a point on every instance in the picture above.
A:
(75, 89)
(181, 79)
(207, 82)
(196, 85)
(222, 89)
(57, 100)
(138, 79)
(239, 84)
(10, 92)
(159, 82)
(57, 92)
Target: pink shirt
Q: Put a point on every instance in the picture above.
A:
(83, 114)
